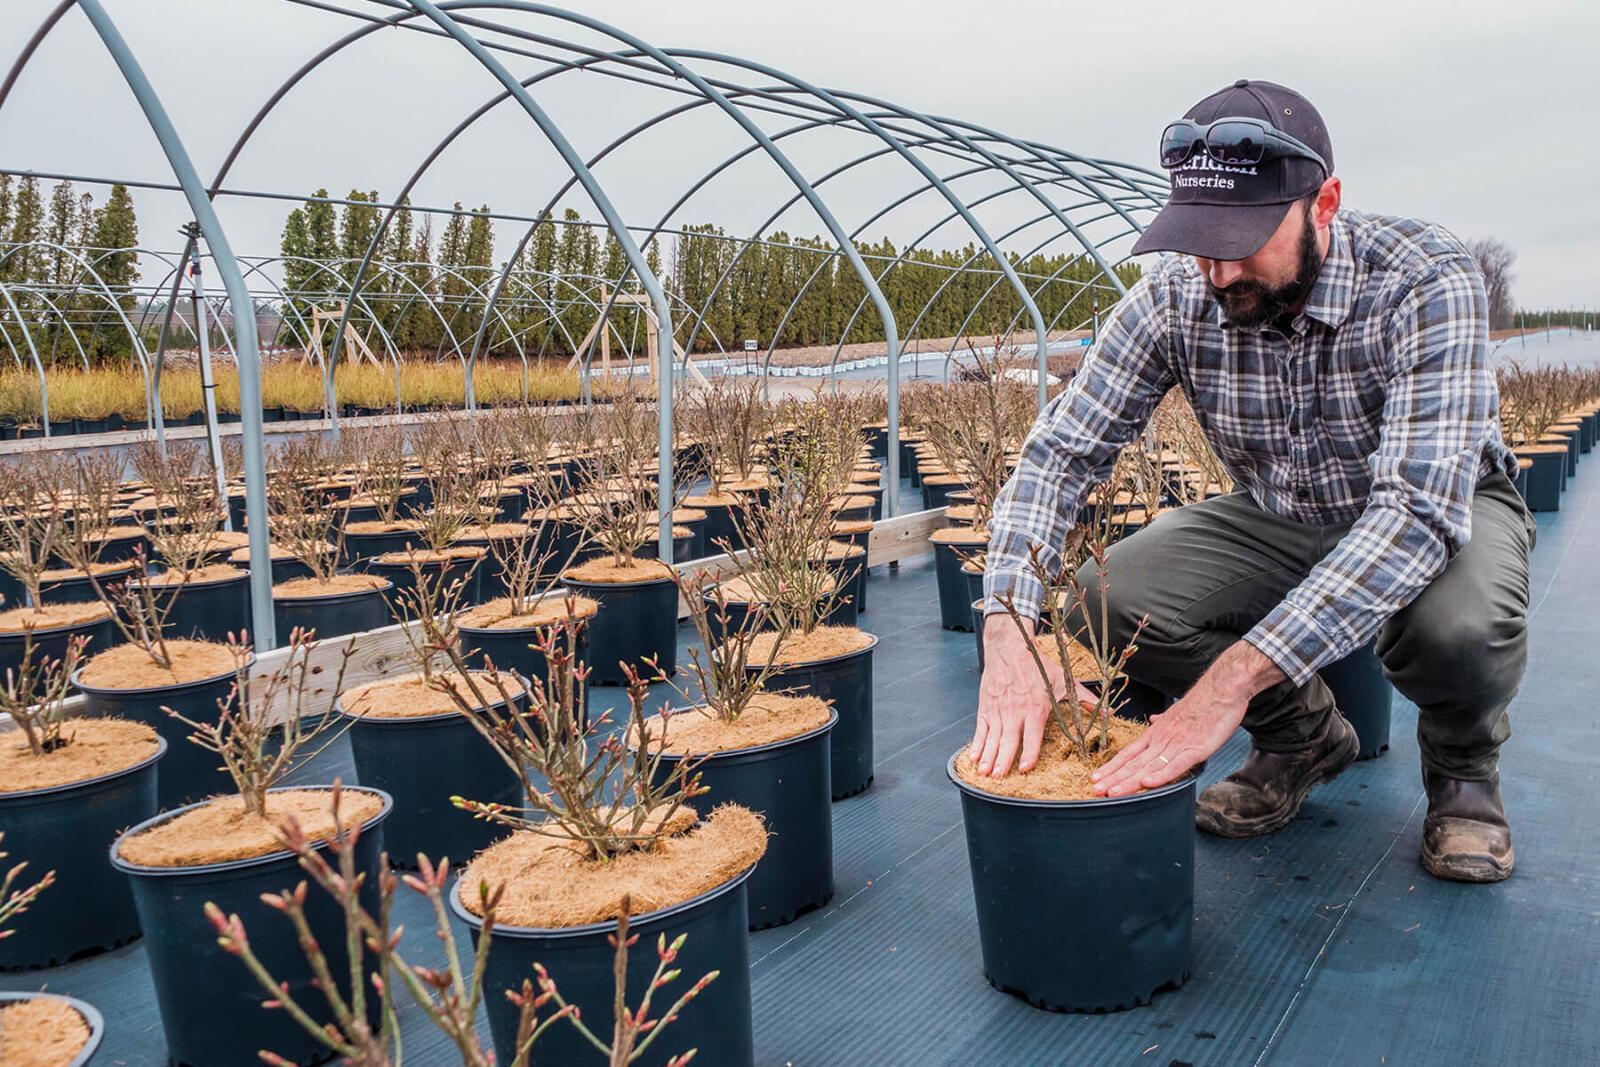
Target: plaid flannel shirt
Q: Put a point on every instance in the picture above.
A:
(1379, 408)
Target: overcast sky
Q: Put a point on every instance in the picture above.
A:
(1479, 115)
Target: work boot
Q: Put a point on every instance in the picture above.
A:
(1465, 837)
(1264, 794)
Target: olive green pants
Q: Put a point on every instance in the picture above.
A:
(1205, 574)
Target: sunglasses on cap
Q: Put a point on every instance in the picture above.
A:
(1231, 141)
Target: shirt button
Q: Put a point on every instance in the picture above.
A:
(1294, 430)
(1303, 493)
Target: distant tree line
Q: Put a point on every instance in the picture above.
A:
(50, 254)
(429, 294)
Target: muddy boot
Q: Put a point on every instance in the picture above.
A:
(1466, 837)
(1264, 794)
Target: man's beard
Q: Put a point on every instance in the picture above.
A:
(1250, 303)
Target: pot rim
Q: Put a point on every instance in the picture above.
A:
(782, 667)
(587, 930)
(91, 1016)
(6, 635)
(579, 583)
(531, 628)
(328, 598)
(379, 561)
(249, 663)
(400, 721)
(84, 783)
(242, 576)
(1189, 781)
(756, 750)
(73, 578)
(142, 871)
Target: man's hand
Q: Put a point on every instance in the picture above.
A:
(1193, 728)
(1013, 704)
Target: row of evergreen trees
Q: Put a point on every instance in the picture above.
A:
(743, 290)
(87, 241)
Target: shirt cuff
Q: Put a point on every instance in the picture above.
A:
(1025, 591)
(1292, 640)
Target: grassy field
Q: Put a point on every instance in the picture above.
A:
(103, 392)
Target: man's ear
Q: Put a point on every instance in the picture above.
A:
(1326, 204)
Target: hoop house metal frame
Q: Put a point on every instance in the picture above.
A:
(973, 177)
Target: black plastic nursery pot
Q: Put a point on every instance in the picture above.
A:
(512, 649)
(936, 490)
(91, 1017)
(332, 616)
(850, 572)
(862, 539)
(637, 621)
(188, 772)
(698, 547)
(1082, 905)
(369, 512)
(955, 594)
(721, 524)
(52, 643)
(78, 589)
(560, 542)
(397, 569)
(682, 548)
(121, 544)
(360, 546)
(491, 578)
(1545, 480)
(844, 613)
(210, 1004)
(1363, 696)
(789, 784)
(67, 829)
(717, 1022)
(422, 761)
(974, 580)
(208, 611)
(846, 683)
(285, 568)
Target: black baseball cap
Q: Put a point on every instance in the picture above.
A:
(1228, 212)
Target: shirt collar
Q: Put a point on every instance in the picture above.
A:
(1333, 296)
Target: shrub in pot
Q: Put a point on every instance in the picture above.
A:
(447, 996)
(409, 739)
(324, 599)
(149, 673)
(506, 630)
(814, 647)
(198, 598)
(66, 791)
(386, 487)
(40, 1027)
(730, 420)
(36, 525)
(436, 552)
(596, 819)
(230, 850)
(1118, 872)
(973, 427)
(638, 618)
(764, 750)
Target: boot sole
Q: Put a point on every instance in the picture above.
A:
(1475, 868)
(1324, 771)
